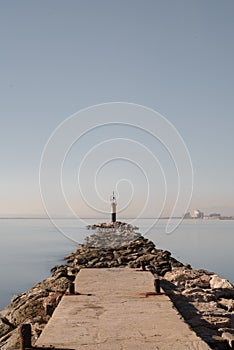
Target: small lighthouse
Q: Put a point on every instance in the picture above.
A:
(113, 207)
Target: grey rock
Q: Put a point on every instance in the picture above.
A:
(229, 337)
(198, 294)
(5, 326)
(203, 281)
(227, 304)
(10, 341)
(217, 282)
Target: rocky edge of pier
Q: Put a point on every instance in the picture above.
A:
(205, 300)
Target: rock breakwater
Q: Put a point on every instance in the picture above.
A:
(111, 234)
(205, 300)
(114, 225)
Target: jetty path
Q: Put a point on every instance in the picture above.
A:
(117, 309)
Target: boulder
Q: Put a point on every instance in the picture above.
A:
(10, 341)
(217, 282)
(181, 275)
(229, 337)
(203, 281)
(5, 326)
(227, 304)
(51, 302)
(198, 295)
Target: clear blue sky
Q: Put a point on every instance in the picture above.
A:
(60, 56)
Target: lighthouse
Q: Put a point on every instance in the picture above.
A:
(113, 207)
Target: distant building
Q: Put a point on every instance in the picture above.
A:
(214, 215)
(195, 214)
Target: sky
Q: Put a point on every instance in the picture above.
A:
(59, 57)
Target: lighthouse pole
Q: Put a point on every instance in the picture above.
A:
(113, 207)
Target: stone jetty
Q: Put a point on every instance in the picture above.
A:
(124, 314)
(205, 300)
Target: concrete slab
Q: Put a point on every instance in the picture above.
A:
(112, 313)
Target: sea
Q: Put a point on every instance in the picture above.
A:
(29, 248)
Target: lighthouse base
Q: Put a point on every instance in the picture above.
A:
(113, 217)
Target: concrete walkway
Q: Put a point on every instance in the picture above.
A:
(117, 316)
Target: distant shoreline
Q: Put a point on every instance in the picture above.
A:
(222, 218)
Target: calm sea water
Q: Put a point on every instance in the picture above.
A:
(29, 248)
